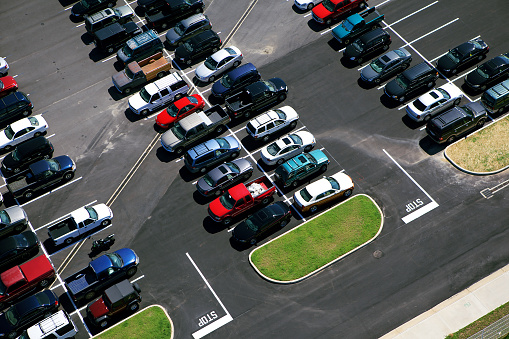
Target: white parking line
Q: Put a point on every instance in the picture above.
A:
(62, 217)
(409, 15)
(80, 240)
(56, 189)
(433, 31)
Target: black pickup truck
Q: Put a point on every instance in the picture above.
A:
(255, 97)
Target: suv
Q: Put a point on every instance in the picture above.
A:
(150, 6)
(496, 98)
(15, 105)
(174, 11)
(300, 167)
(158, 94)
(90, 6)
(205, 43)
(448, 126)
(420, 76)
(120, 297)
(115, 35)
(108, 16)
(140, 47)
(368, 43)
(235, 80)
(270, 122)
(209, 153)
(187, 28)
(25, 154)
(56, 326)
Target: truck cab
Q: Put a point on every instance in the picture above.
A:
(328, 10)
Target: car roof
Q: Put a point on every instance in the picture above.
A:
(203, 36)
(264, 118)
(13, 98)
(141, 39)
(498, 90)
(100, 15)
(366, 37)
(193, 18)
(119, 291)
(318, 187)
(45, 297)
(414, 71)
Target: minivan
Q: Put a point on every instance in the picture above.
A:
(108, 16)
(203, 44)
(15, 105)
(56, 326)
(27, 153)
(235, 80)
(496, 98)
(211, 152)
(115, 35)
(140, 47)
(412, 80)
(187, 28)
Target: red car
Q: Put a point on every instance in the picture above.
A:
(328, 10)
(20, 280)
(180, 109)
(7, 85)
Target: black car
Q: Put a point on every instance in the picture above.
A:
(261, 222)
(25, 154)
(15, 105)
(173, 12)
(198, 46)
(494, 70)
(27, 312)
(412, 80)
(386, 65)
(150, 6)
(17, 248)
(112, 37)
(224, 176)
(367, 44)
(456, 58)
(91, 6)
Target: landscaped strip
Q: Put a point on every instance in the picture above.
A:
(319, 242)
(152, 322)
(483, 152)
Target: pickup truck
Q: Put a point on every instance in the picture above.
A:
(173, 12)
(141, 72)
(356, 24)
(41, 174)
(20, 280)
(101, 273)
(255, 97)
(329, 10)
(193, 128)
(241, 198)
(80, 223)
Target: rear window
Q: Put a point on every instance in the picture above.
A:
(487, 100)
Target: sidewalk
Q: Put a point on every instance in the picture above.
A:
(459, 310)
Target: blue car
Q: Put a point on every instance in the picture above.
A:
(235, 80)
(302, 166)
(211, 152)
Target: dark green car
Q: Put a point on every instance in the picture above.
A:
(297, 168)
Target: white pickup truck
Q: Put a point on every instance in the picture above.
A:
(79, 224)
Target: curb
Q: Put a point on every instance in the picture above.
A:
(132, 315)
(329, 263)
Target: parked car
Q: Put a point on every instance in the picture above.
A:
(150, 6)
(187, 28)
(490, 72)
(112, 37)
(198, 46)
(140, 47)
(84, 7)
(107, 17)
(433, 102)
(235, 80)
(411, 81)
(357, 24)
(323, 191)
(21, 131)
(12, 220)
(261, 222)
(173, 11)
(329, 10)
(57, 326)
(15, 105)
(287, 147)
(27, 312)
(25, 154)
(4, 67)
(496, 98)
(367, 44)
(211, 152)
(217, 180)
(448, 126)
(17, 248)
(218, 63)
(180, 109)
(267, 124)
(302, 166)
(386, 66)
(456, 58)
(306, 4)
(7, 86)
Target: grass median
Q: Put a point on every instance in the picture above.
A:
(319, 241)
(485, 151)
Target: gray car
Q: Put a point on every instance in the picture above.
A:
(224, 176)
(386, 66)
(12, 220)
(187, 28)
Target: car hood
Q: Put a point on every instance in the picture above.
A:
(203, 186)
(344, 180)
(243, 232)
(103, 211)
(5, 326)
(392, 88)
(351, 51)
(474, 78)
(218, 89)
(98, 308)
(137, 102)
(164, 118)
(203, 71)
(15, 213)
(125, 11)
(181, 52)
(340, 31)
(129, 257)
(320, 11)
(279, 84)
(369, 73)
(120, 79)
(9, 83)
(477, 108)
(217, 208)
(3, 139)
(445, 63)
(64, 161)
(172, 36)
(9, 161)
(78, 9)
(169, 140)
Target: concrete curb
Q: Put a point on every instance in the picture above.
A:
(132, 315)
(331, 262)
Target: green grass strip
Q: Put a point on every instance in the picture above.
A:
(319, 241)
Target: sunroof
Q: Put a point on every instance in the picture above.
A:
(434, 95)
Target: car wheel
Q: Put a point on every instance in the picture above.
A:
(310, 6)
(377, 81)
(308, 148)
(283, 223)
(328, 22)
(265, 201)
(37, 134)
(198, 10)
(323, 168)
(236, 63)
(111, 4)
(253, 241)
(160, 75)
(203, 169)
(220, 129)
(12, 335)
(346, 41)
(178, 96)
(106, 222)
(89, 295)
(19, 228)
(386, 47)
(234, 155)
(401, 99)
(295, 184)
(69, 241)
(42, 284)
(430, 84)
(247, 114)
(266, 138)
(451, 139)
(457, 102)
(282, 97)
(26, 113)
(227, 221)
(360, 60)
(481, 122)
(180, 43)
(188, 62)
(347, 193)
(132, 271)
(482, 88)
(103, 323)
(144, 112)
(126, 91)
(110, 50)
(2, 306)
(179, 150)
(212, 78)
(68, 176)
(293, 124)
(214, 50)
(7, 148)
(16, 170)
(280, 161)
(454, 71)
(362, 5)
(480, 57)
(164, 25)
(247, 175)
(313, 209)
(134, 307)
(427, 118)
(28, 194)
(217, 193)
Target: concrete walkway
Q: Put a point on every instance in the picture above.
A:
(459, 310)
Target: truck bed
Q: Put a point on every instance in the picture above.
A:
(216, 114)
(238, 102)
(17, 185)
(62, 228)
(371, 16)
(76, 285)
(259, 186)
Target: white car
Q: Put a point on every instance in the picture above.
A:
(4, 67)
(323, 191)
(266, 124)
(22, 130)
(306, 4)
(287, 147)
(218, 63)
(433, 102)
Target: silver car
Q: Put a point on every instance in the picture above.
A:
(433, 102)
(268, 123)
(224, 176)
(386, 66)
(12, 220)
(218, 63)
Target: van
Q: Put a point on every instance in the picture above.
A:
(187, 28)
(56, 326)
(211, 152)
(107, 17)
(496, 98)
(115, 35)
(235, 80)
(27, 153)
(140, 47)
(15, 105)
(412, 80)
(158, 94)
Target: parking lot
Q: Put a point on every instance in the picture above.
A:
(440, 233)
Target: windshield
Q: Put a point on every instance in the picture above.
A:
(273, 149)
(454, 55)
(9, 133)
(468, 111)
(4, 217)
(296, 139)
(53, 165)
(305, 194)
(270, 85)
(347, 25)
(92, 213)
(402, 81)
(178, 131)
(2, 288)
(484, 71)
(85, 3)
(12, 316)
(172, 110)
(210, 63)
(251, 225)
(358, 45)
(377, 65)
(129, 74)
(223, 143)
(333, 183)
(280, 113)
(208, 180)
(328, 5)
(179, 28)
(188, 47)
(15, 154)
(226, 81)
(444, 93)
(419, 105)
(127, 51)
(233, 167)
(144, 95)
(227, 201)
(115, 259)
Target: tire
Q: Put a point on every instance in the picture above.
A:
(451, 139)
(347, 193)
(247, 175)
(360, 60)
(430, 84)
(19, 228)
(111, 4)
(214, 50)
(7, 148)
(217, 193)
(178, 96)
(26, 113)
(377, 81)
(283, 223)
(328, 22)
(134, 307)
(295, 184)
(12, 335)
(482, 88)
(203, 169)
(43, 283)
(132, 271)
(386, 47)
(212, 78)
(308, 148)
(457, 102)
(220, 129)
(90, 295)
(310, 6)
(180, 43)
(227, 221)
(69, 241)
(37, 134)
(16, 170)
(293, 124)
(480, 57)
(266, 138)
(323, 168)
(401, 99)
(313, 209)
(481, 122)
(247, 114)
(28, 194)
(160, 75)
(179, 150)
(253, 241)
(280, 161)
(454, 71)
(68, 176)
(198, 10)
(106, 222)
(103, 323)
(234, 155)
(265, 201)
(188, 62)
(2, 306)
(126, 91)
(346, 41)
(282, 97)
(362, 5)
(164, 25)
(427, 118)
(144, 112)
(236, 63)
(110, 50)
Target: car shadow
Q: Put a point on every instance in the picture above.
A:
(116, 95)
(187, 176)
(469, 91)
(118, 65)
(347, 63)
(158, 129)
(213, 227)
(165, 156)
(87, 38)
(430, 147)
(215, 100)
(202, 200)
(297, 10)
(250, 144)
(131, 116)
(138, 10)
(335, 45)
(388, 102)
(67, 3)
(412, 124)
(75, 19)
(97, 55)
(365, 85)
(199, 83)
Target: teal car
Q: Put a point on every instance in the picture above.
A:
(302, 166)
